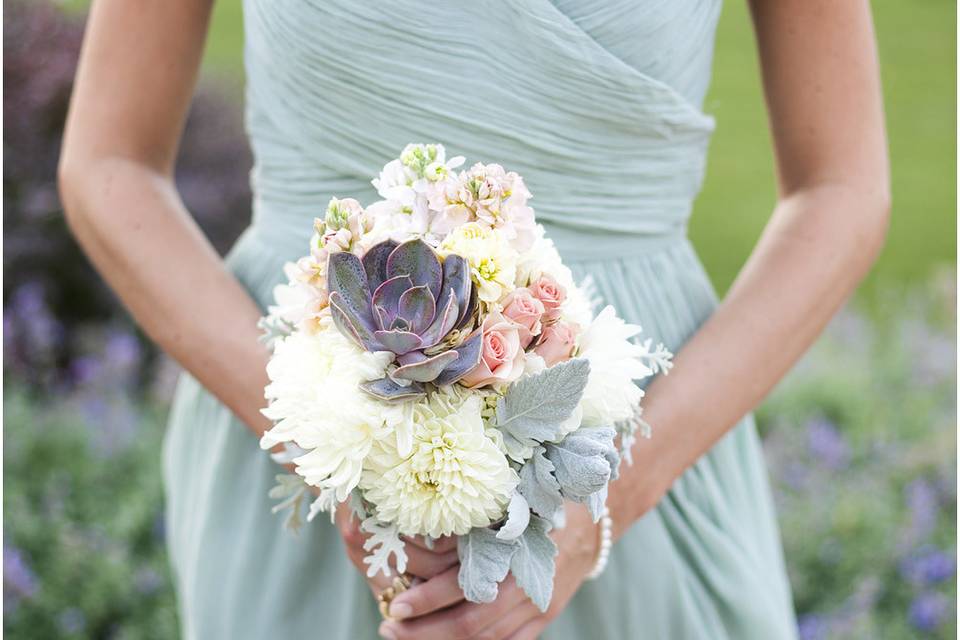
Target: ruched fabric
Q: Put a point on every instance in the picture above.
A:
(597, 104)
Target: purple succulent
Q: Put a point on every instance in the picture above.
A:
(402, 298)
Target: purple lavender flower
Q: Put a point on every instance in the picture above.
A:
(928, 566)
(934, 353)
(85, 370)
(826, 444)
(928, 611)
(18, 579)
(35, 334)
(122, 351)
(147, 581)
(813, 627)
(923, 506)
(72, 621)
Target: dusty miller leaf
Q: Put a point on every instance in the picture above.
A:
(535, 408)
(326, 502)
(291, 491)
(533, 564)
(581, 466)
(272, 328)
(538, 486)
(484, 563)
(518, 517)
(596, 502)
(357, 505)
(384, 540)
(605, 437)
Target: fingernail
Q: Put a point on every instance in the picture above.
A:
(386, 631)
(400, 610)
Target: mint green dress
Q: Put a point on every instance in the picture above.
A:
(597, 104)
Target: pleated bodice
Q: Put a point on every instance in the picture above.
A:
(594, 103)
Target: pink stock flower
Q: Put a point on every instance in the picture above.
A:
(557, 342)
(551, 294)
(502, 356)
(526, 310)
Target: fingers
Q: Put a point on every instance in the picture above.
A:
(349, 527)
(436, 593)
(427, 564)
(514, 620)
(531, 630)
(378, 583)
(463, 620)
(439, 545)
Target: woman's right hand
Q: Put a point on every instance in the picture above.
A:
(422, 563)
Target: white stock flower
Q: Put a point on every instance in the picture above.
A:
(493, 263)
(455, 478)
(418, 165)
(493, 196)
(395, 182)
(315, 401)
(300, 302)
(611, 395)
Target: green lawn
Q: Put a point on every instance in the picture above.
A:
(918, 47)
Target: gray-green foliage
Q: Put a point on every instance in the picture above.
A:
(534, 408)
(539, 486)
(484, 563)
(533, 564)
(584, 463)
(273, 328)
(486, 559)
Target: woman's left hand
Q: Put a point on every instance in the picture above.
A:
(512, 615)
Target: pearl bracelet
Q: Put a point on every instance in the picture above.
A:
(606, 542)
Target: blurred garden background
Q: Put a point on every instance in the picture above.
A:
(860, 438)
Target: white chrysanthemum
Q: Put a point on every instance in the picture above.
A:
(611, 395)
(316, 403)
(493, 262)
(455, 478)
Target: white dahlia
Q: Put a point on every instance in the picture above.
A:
(611, 396)
(454, 479)
(315, 401)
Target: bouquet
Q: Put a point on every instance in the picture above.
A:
(435, 365)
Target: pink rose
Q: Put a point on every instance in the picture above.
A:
(501, 357)
(546, 290)
(521, 307)
(556, 342)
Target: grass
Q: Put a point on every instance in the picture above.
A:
(917, 50)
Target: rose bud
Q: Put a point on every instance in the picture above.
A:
(526, 310)
(557, 342)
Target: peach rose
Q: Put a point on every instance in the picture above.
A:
(521, 307)
(557, 342)
(501, 357)
(551, 294)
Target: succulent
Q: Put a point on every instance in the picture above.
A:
(402, 298)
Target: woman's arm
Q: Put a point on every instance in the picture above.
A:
(136, 76)
(135, 79)
(822, 84)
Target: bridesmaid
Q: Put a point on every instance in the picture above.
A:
(698, 554)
